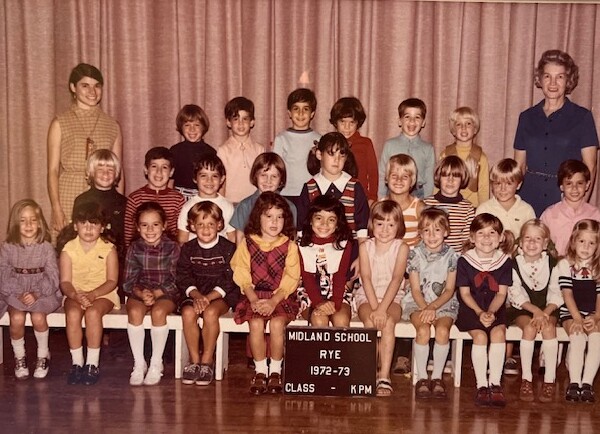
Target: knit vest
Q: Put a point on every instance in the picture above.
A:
(537, 298)
(347, 199)
(475, 155)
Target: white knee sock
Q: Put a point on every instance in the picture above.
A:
(137, 336)
(440, 354)
(275, 367)
(526, 359)
(576, 354)
(260, 366)
(497, 352)
(421, 355)
(42, 343)
(592, 359)
(479, 358)
(18, 346)
(77, 356)
(550, 350)
(159, 337)
(93, 356)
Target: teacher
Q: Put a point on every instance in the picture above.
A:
(73, 136)
(553, 131)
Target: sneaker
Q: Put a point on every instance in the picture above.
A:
(90, 375)
(586, 393)
(526, 391)
(74, 376)
(482, 397)
(497, 398)
(21, 369)
(572, 393)
(547, 392)
(137, 375)
(41, 367)
(205, 376)
(402, 366)
(153, 375)
(511, 367)
(190, 373)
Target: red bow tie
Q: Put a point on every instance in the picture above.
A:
(485, 275)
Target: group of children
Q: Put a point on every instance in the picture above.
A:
(433, 250)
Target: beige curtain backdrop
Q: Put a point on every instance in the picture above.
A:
(159, 55)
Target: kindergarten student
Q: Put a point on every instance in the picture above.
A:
(382, 266)
(534, 306)
(206, 278)
(574, 180)
(239, 151)
(578, 276)
(464, 126)
(484, 273)
(347, 116)
(450, 176)
(326, 252)
(28, 283)
(412, 114)
(430, 299)
(266, 267)
(89, 269)
(149, 283)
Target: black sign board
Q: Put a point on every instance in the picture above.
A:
(330, 361)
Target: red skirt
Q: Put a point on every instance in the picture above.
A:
(287, 307)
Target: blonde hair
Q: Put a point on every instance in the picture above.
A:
(508, 169)
(387, 209)
(406, 163)
(13, 232)
(107, 157)
(537, 223)
(582, 226)
(467, 113)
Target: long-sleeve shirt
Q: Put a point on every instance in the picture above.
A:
(293, 147)
(364, 153)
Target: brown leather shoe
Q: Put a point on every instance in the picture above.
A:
(497, 398)
(547, 392)
(438, 389)
(274, 384)
(423, 389)
(526, 391)
(258, 385)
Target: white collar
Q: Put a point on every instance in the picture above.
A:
(325, 183)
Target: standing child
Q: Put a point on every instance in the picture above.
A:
(347, 116)
(411, 112)
(464, 126)
(484, 273)
(578, 276)
(266, 267)
(28, 282)
(149, 283)
(206, 278)
(450, 176)
(239, 151)
(294, 144)
(430, 299)
(326, 252)
(382, 266)
(534, 306)
(89, 269)
(192, 123)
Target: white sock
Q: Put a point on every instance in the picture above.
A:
(575, 355)
(159, 337)
(550, 350)
(479, 358)
(526, 359)
(93, 356)
(77, 356)
(42, 343)
(497, 352)
(275, 367)
(421, 355)
(137, 336)
(592, 359)
(440, 354)
(18, 346)
(260, 366)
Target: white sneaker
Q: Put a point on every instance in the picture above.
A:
(137, 375)
(41, 367)
(21, 369)
(153, 375)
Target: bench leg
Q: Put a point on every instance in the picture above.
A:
(219, 357)
(1, 345)
(178, 353)
(413, 362)
(457, 355)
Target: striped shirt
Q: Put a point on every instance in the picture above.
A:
(460, 214)
(411, 223)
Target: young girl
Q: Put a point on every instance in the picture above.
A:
(450, 176)
(464, 126)
(578, 275)
(28, 282)
(430, 299)
(266, 267)
(149, 282)
(401, 178)
(382, 266)
(484, 273)
(89, 270)
(326, 252)
(534, 306)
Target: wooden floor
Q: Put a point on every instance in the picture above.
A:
(112, 406)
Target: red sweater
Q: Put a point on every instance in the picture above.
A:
(364, 153)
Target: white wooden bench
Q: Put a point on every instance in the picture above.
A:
(117, 320)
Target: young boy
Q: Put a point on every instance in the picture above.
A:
(412, 114)
(192, 123)
(209, 176)
(158, 169)
(574, 182)
(205, 277)
(294, 144)
(239, 151)
(506, 178)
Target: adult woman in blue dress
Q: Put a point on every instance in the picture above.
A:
(553, 131)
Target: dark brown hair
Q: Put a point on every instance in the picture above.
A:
(265, 202)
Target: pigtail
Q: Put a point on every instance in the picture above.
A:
(508, 245)
(313, 165)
